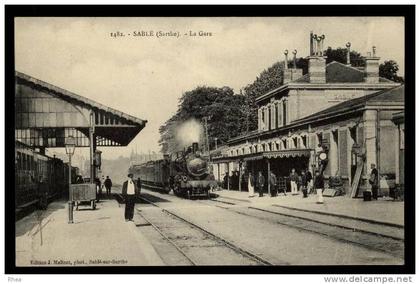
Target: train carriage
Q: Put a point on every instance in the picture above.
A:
(26, 170)
(153, 174)
(38, 177)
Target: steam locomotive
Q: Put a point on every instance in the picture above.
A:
(185, 172)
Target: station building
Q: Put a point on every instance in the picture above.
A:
(399, 120)
(347, 109)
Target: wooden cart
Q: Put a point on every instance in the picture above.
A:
(85, 192)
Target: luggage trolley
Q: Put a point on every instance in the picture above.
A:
(83, 193)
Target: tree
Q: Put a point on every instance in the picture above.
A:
(268, 80)
(389, 70)
(222, 108)
(340, 55)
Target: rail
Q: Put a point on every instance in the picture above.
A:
(229, 244)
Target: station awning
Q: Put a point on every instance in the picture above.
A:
(46, 115)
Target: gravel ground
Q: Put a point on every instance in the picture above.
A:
(198, 246)
(262, 235)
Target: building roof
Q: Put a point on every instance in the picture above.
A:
(394, 96)
(77, 98)
(336, 73)
(119, 134)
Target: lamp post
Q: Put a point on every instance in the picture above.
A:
(70, 146)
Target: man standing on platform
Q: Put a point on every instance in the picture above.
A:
(102, 183)
(273, 184)
(374, 181)
(260, 184)
(251, 183)
(310, 181)
(319, 186)
(108, 185)
(129, 191)
(294, 178)
(225, 180)
(304, 184)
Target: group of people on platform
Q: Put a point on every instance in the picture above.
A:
(302, 181)
(234, 181)
(101, 184)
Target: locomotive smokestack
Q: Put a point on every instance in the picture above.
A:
(194, 147)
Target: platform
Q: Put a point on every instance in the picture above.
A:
(96, 238)
(381, 211)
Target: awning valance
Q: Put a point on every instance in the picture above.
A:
(221, 160)
(287, 153)
(291, 153)
(255, 157)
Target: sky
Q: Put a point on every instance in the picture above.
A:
(146, 76)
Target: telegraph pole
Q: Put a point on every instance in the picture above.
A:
(206, 135)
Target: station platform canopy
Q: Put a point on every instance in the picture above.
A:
(45, 115)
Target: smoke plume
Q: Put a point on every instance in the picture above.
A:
(188, 132)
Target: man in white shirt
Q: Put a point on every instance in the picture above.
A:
(129, 191)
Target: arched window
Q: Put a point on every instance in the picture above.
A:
(294, 142)
(305, 141)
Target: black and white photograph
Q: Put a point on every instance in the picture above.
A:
(228, 142)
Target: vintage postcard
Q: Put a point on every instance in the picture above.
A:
(210, 141)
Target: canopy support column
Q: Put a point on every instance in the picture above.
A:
(240, 175)
(268, 176)
(92, 143)
(228, 177)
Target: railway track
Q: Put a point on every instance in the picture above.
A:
(385, 238)
(388, 239)
(223, 247)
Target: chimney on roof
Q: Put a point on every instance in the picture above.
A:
(372, 67)
(317, 60)
(291, 74)
(286, 61)
(311, 44)
(348, 45)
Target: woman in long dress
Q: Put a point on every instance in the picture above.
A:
(250, 185)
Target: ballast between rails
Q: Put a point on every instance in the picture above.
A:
(167, 239)
(221, 239)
